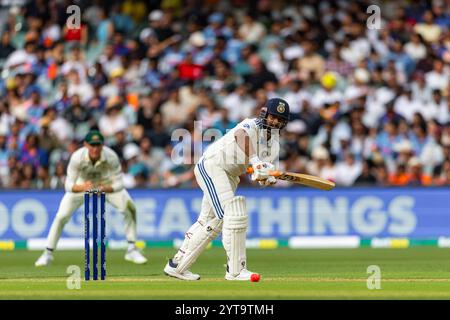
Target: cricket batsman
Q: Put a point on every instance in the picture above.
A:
(94, 166)
(253, 142)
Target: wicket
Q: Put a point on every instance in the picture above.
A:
(87, 272)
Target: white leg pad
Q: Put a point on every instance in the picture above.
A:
(235, 222)
(187, 238)
(200, 237)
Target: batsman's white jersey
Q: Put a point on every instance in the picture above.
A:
(226, 153)
(107, 170)
(219, 168)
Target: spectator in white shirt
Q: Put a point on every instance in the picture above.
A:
(406, 106)
(251, 30)
(109, 60)
(76, 86)
(431, 110)
(420, 91)
(439, 77)
(113, 120)
(348, 170)
(115, 84)
(292, 50)
(239, 104)
(428, 29)
(432, 153)
(416, 48)
(296, 95)
(328, 92)
(358, 88)
(351, 51)
(77, 62)
(27, 55)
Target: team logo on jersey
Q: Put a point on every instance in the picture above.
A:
(281, 107)
(246, 126)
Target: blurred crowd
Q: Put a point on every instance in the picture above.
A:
(370, 100)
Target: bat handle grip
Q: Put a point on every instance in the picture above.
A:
(274, 173)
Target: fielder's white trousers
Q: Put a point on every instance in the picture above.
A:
(71, 201)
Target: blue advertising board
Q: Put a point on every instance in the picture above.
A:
(273, 213)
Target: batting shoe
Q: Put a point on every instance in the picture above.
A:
(244, 275)
(171, 270)
(134, 255)
(44, 260)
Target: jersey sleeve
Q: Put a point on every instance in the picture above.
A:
(250, 127)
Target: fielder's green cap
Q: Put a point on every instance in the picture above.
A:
(94, 137)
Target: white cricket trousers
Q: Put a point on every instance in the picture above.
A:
(71, 201)
(218, 188)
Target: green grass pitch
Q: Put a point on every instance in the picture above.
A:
(414, 273)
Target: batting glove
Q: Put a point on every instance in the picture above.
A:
(260, 169)
(270, 181)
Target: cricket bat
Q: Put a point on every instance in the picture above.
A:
(300, 178)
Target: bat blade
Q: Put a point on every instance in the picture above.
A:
(305, 179)
(301, 178)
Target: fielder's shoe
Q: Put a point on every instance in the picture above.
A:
(134, 255)
(171, 270)
(44, 260)
(244, 275)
